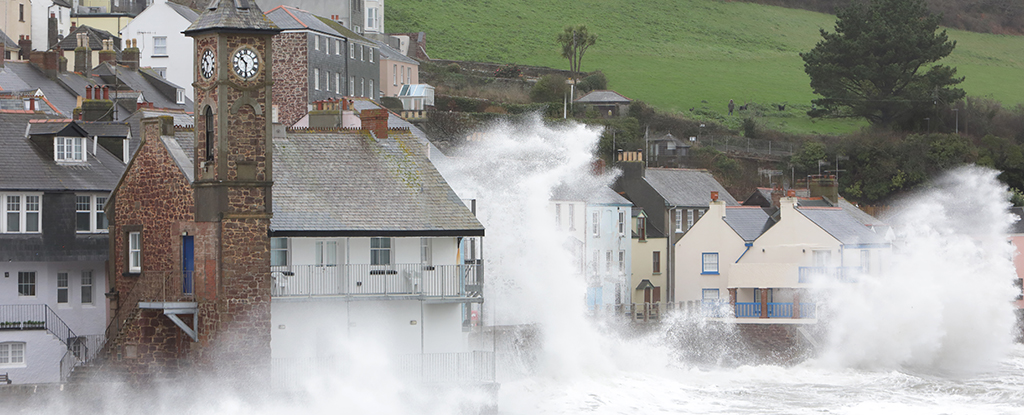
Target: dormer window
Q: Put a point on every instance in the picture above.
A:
(69, 149)
(180, 96)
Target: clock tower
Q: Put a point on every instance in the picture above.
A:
(232, 184)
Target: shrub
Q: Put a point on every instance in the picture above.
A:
(593, 82)
(453, 68)
(392, 103)
(550, 88)
(508, 71)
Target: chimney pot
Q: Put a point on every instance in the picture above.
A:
(106, 92)
(714, 196)
(791, 193)
(88, 92)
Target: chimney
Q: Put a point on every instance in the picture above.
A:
(716, 206)
(3, 53)
(62, 62)
(108, 54)
(130, 55)
(83, 54)
(714, 196)
(25, 43)
(788, 204)
(51, 31)
(825, 186)
(51, 63)
(326, 115)
(97, 110)
(375, 121)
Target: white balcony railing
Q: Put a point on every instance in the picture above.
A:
(434, 281)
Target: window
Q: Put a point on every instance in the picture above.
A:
(608, 262)
(327, 81)
(709, 261)
(596, 265)
(83, 213)
(159, 45)
(709, 294)
(180, 96)
(101, 215)
(558, 215)
(373, 93)
(641, 228)
(572, 217)
(278, 252)
(62, 288)
(865, 261)
(403, 74)
(757, 295)
(700, 213)
(326, 253)
(22, 214)
(316, 79)
(426, 251)
(12, 354)
(372, 21)
(380, 251)
(394, 74)
(362, 87)
(337, 47)
(409, 70)
(21, 12)
(656, 266)
(351, 50)
(622, 262)
(26, 283)
(68, 149)
(89, 216)
(337, 82)
(161, 71)
(134, 252)
(86, 287)
(352, 86)
(316, 42)
(370, 52)
(622, 223)
(596, 225)
(689, 218)
(822, 258)
(679, 220)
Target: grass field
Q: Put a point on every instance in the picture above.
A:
(682, 54)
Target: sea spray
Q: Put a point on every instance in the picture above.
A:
(943, 303)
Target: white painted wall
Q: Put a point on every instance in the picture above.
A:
(710, 233)
(160, 20)
(41, 10)
(444, 250)
(614, 284)
(42, 356)
(83, 319)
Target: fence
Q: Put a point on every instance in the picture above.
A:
(752, 146)
(645, 312)
(378, 280)
(35, 316)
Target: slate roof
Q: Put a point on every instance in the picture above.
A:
(860, 215)
(388, 52)
(603, 97)
(135, 122)
(9, 44)
(96, 37)
(187, 13)
(359, 185)
(686, 187)
(15, 74)
(153, 89)
(761, 197)
(24, 166)
(842, 226)
(749, 222)
(602, 195)
(344, 31)
(291, 18)
(105, 129)
(232, 15)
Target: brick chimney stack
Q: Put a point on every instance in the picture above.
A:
(51, 31)
(108, 54)
(25, 43)
(130, 55)
(83, 54)
(375, 121)
(3, 53)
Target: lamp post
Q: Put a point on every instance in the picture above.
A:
(956, 113)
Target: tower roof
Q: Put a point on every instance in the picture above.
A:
(232, 15)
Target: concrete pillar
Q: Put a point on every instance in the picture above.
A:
(732, 300)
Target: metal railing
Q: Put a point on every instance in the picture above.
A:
(842, 274)
(748, 310)
(443, 281)
(68, 363)
(35, 316)
(465, 367)
(752, 146)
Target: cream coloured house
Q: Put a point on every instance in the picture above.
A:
(740, 261)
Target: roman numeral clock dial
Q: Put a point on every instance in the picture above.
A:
(246, 63)
(207, 64)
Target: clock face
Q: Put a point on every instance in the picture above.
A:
(207, 64)
(246, 63)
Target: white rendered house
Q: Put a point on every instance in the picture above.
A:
(162, 46)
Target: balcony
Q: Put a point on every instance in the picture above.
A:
(775, 310)
(399, 281)
(841, 274)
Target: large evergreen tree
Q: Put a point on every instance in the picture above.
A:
(879, 65)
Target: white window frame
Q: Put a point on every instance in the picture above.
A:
(622, 262)
(279, 250)
(362, 87)
(159, 45)
(352, 86)
(7, 354)
(596, 225)
(426, 251)
(572, 217)
(822, 257)
(596, 264)
(689, 219)
(352, 51)
(86, 284)
(622, 223)
(709, 263)
(326, 253)
(394, 74)
(377, 251)
(93, 212)
(558, 215)
(865, 261)
(679, 221)
(402, 71)
(608, 261)
(710, 294)
(337, 82)
(70, 149)
(135, 252)
(22, 212)
(27, 283)
(316, 42)
(63, 288)
(316, 79)
(373, 95)
(180, 96)
(409, 71)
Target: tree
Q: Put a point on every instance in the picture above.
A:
(549, 88)
(575, 41)
(878, 65)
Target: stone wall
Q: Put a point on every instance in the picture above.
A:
(775, 343)
(291, 77)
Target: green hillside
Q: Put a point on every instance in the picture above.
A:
(677, 54)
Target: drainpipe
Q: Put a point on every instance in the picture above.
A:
(748, 245)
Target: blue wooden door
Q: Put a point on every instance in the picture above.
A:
(187, 264)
